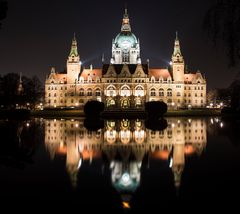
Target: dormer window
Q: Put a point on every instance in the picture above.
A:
(152, 79)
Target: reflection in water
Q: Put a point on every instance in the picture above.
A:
(125, 143)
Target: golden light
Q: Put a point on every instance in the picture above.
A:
(126, 205)
(189, 149)
(163, 155)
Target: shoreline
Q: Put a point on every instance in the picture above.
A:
(122, 114)
(60, 113)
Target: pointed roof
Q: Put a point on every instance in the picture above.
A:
(177, 49)
(74, 51)
(20, 78)
(125, 22)
(118, 68)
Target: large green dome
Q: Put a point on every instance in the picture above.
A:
(126, 40)
(126, 183)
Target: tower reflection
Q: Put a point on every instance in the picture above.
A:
(125, 143)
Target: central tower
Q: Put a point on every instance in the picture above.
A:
(125, 47)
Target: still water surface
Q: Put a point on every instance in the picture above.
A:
(123, 166)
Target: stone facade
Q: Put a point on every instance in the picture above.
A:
(125, 82)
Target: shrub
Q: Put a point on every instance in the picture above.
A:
(93, 108)
(155, 109)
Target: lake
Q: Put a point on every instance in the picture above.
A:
(120, 166)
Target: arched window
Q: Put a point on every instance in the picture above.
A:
(98, 92)
(139, 91)
(89, 92)
(125, 91)
(161, 92)
(81, 92)
(153, 92)
(169, 92)
(178, 94)
(111, 102)
(111, 91)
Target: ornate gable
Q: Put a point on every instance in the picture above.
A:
(139, 73)
(125, 72)
(111, 72)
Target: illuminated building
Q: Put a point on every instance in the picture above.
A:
(126, 82)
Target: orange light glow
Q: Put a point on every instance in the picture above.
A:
(163, 155)
(125, 205)
(62, 150)
(189, 150)
(90, 154)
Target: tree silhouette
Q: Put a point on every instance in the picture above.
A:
(9, 97)
(222, 23)
(3, 11)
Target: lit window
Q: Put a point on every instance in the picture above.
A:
(89, 92)
(98, 92)
(161, 92)
(169, 92)
(153, 92)
(81, 92)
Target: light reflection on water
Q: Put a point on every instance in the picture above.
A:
(125, 143)
(128, 153)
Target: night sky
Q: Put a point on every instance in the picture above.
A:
(37, 34)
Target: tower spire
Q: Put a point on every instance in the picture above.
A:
(20, 86)
(125, 22)
(177, 62)
(177, 55)
(74, 50)
(20, 78)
